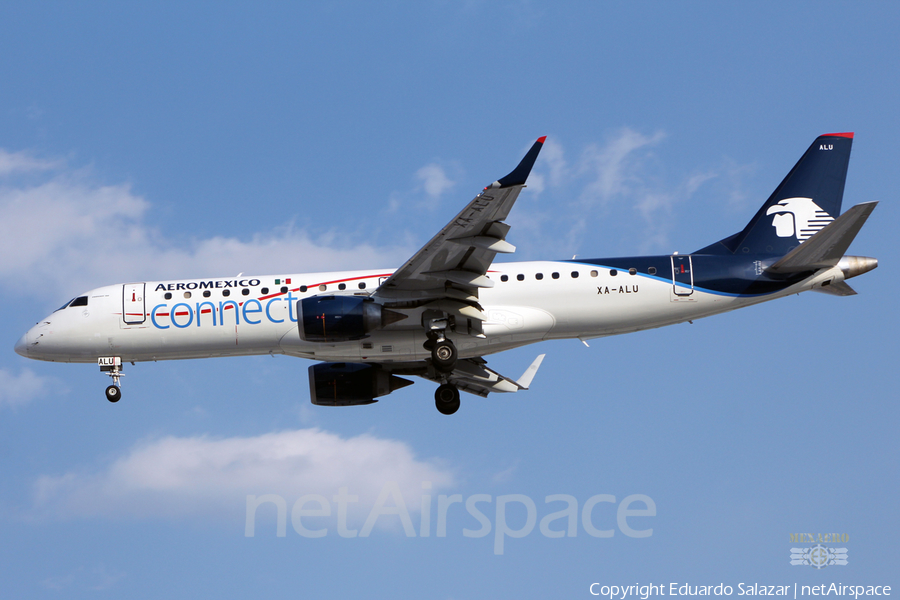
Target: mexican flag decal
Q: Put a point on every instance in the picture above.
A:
(284, 281)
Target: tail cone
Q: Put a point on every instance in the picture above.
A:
(856, 265)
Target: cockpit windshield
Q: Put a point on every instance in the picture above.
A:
(79, 301)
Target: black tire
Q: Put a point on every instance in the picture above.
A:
(446, 399)
(443, 356)
(113, 393)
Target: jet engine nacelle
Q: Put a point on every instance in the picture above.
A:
(350, 384)
(341, 318)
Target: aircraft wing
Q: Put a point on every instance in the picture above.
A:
(451, 268)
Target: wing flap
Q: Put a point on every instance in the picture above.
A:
(485, 242)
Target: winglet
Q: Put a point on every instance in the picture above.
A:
(525, 380)
(520, 174)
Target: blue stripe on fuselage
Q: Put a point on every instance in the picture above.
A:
(736, 276)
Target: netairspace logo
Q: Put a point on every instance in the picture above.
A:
(309, 512)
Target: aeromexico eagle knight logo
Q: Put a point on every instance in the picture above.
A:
(798, 217)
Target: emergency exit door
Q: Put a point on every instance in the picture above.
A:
(682, 275)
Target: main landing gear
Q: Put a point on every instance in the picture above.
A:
(443, 356)
(443, 351)
(443, 359)
(446, 399)
(112, 366)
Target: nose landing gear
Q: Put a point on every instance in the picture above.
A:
(113, 393)
(112, 366)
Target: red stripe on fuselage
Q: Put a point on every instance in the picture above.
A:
(277, 294)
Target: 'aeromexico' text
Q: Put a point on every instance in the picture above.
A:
(206, 285)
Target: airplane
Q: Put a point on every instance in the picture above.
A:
(450, 304)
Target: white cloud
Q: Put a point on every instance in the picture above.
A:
(616, 193)
(614, 167)
(506, 475)
(23, 162)
(195, 476)
(96, 579)
(17, 390)
(552, 155)
(67, 234)
(434, 180)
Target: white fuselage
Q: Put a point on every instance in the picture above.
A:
(202, 318)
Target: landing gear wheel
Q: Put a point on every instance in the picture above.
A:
(446, 399)
(443, 356)
(113, 393)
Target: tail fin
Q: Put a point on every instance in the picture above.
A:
(807, 200)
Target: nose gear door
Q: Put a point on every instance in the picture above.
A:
(133, 310)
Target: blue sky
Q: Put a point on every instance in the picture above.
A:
(170, 141)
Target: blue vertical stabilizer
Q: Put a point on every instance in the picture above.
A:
(807, 200)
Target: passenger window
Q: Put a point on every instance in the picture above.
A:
(574, 274)
(632, 271)
(187, 295)
(206, 293)
(226, 293)
(555, 275)
(652, 270)
(168, 296)
(362, 285)
(594, 273)
(613, 272)
(539, 276)
(520, 277)
(323, 287)
(502, 278)
(303, 288)
(245, 291)
(79, 301)
(284, 289)
(264, 291)
(342, 286)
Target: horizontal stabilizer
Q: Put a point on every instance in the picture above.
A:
(835, 289)
(825, 248)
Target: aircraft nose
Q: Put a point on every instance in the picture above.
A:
(22, 346)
